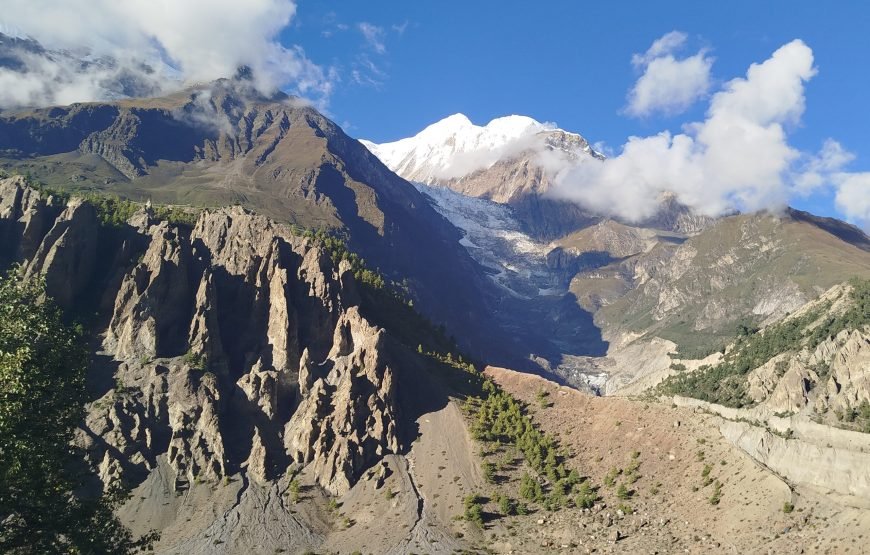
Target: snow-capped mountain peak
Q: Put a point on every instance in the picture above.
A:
(455, 147)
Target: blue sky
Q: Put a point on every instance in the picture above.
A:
(701, 120)
(403, 65)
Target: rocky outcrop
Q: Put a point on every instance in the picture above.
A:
(849, 383)
(232, 346)
(803, 452)
(67, 253)
(347, 419)
(837, 470)
(152, 308)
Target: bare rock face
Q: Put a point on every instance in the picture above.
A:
(347, 420)
(204, 334)
(67, 253)
(792, 391)
(152, 307)
(25, 217)
(196, 448)
(232, 346)
(849, 383)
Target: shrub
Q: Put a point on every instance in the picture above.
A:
(623, 492)
(717, 493)
(294, 490)
(506, 505)
(488, 470)
(610, 479)
(530, 488)
(473, 510)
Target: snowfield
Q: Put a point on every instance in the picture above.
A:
(493, 237)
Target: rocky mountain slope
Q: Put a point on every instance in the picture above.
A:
(233, 361)
(223, 144)
(250, 396)
(688, 296)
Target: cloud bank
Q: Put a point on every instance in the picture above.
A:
(668, 85)
(163, 43)
(738, 158)
(853, 196)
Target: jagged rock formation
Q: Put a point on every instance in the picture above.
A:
(346, 419)
(272, 154)
(233, 344)
(824, 380)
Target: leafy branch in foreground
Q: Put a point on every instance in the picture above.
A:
(42, 396)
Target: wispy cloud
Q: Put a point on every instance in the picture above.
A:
(367, 73)
(400, 28)
(374, 36)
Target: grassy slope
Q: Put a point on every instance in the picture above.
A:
(738, 262)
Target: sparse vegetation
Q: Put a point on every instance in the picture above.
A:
(585, 496)
(725, 383)
(195, 360)
(610, 478)
(787, 507)
(506, 505)
(488, 470)
(473, 513)
(623, 492)
(717, 493)
(542, 396)
(294, 490)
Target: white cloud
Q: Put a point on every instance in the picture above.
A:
(667, 84)
(853, 196)
(374, 36)
(737, 158)
(667, 44)
(201, 39)
(400, 28)
(819, 168)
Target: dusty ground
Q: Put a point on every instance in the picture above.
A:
(409, 502)
(673, 513)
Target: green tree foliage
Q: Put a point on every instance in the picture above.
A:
(500, 418)
(473, 509)
(488, 470)
(585, 496)
(42, 395)
(530, 488)
(294, 490)
(506, 505)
